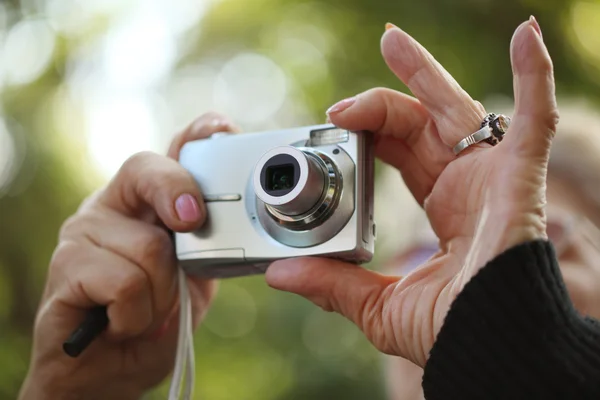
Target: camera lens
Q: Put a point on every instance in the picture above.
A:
(279, 174)
(289, 180)
(280, 177)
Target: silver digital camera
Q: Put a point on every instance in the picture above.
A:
(280, 194)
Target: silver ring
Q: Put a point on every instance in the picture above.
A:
(493, 128)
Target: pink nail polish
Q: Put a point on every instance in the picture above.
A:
(535, 25)
(341, 106)
(187, 208)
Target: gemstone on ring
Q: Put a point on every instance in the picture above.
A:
(500, 125)
(493, 128)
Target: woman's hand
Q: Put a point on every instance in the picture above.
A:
(481, 203)
(115, 251)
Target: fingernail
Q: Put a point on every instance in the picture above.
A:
(219, 122)
(341, 106)
(187, 208)
(389, 26)
(535, 25)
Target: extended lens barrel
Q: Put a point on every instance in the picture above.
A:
(290, 180)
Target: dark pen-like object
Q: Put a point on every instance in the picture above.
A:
(96, 321)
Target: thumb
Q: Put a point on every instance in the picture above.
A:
(536, 113)
(354, 292)
(149, 185)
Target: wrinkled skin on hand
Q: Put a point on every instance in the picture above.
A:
(481, 203)
(116, 251)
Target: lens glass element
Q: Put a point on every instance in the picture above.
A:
(280, 177)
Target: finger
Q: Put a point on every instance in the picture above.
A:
(455, 113)
(402, 137)
(146, 246)
(85, 276)
(202, 293)
(536, 113)
(384, 112)
(356, 293)
(148, 181)
(201, 128)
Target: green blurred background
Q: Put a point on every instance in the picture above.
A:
(86, 83)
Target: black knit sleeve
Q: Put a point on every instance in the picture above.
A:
(513, 333)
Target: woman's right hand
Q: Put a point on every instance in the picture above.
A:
(116, 251)
(480, 203)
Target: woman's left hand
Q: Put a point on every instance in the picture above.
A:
(479, 204)
(115, 251)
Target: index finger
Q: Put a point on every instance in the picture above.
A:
(455, 113)
(201, 128)
(402, 138)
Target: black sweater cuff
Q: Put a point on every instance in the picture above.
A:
(513, 333)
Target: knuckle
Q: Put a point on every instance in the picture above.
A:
(70, 226)
(166, 178)
(205, 125)
(546, 122)
(156, 245)
(210, 115)
(553, 119)
(90, 201)
(132, 285)
(64, 253)
(164, 186)
(136, 162)
(80, 224)
(202, 126)
(547, 66)
(147, 173)
(378, 92)
(479, 106)
(324, 303)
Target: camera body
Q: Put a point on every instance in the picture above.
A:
(280, 194)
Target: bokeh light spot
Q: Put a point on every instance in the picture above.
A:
(233, 313)
(27, 51)
(7, 157)
(73, 17)
(585, 19)
(250, 88)
(304, 57)
(118, 128)
(191, 88)
(3, 18)
(139, 51)
(328, 335)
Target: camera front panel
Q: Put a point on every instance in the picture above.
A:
(324, 216)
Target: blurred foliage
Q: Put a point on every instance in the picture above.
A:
(257, 343)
